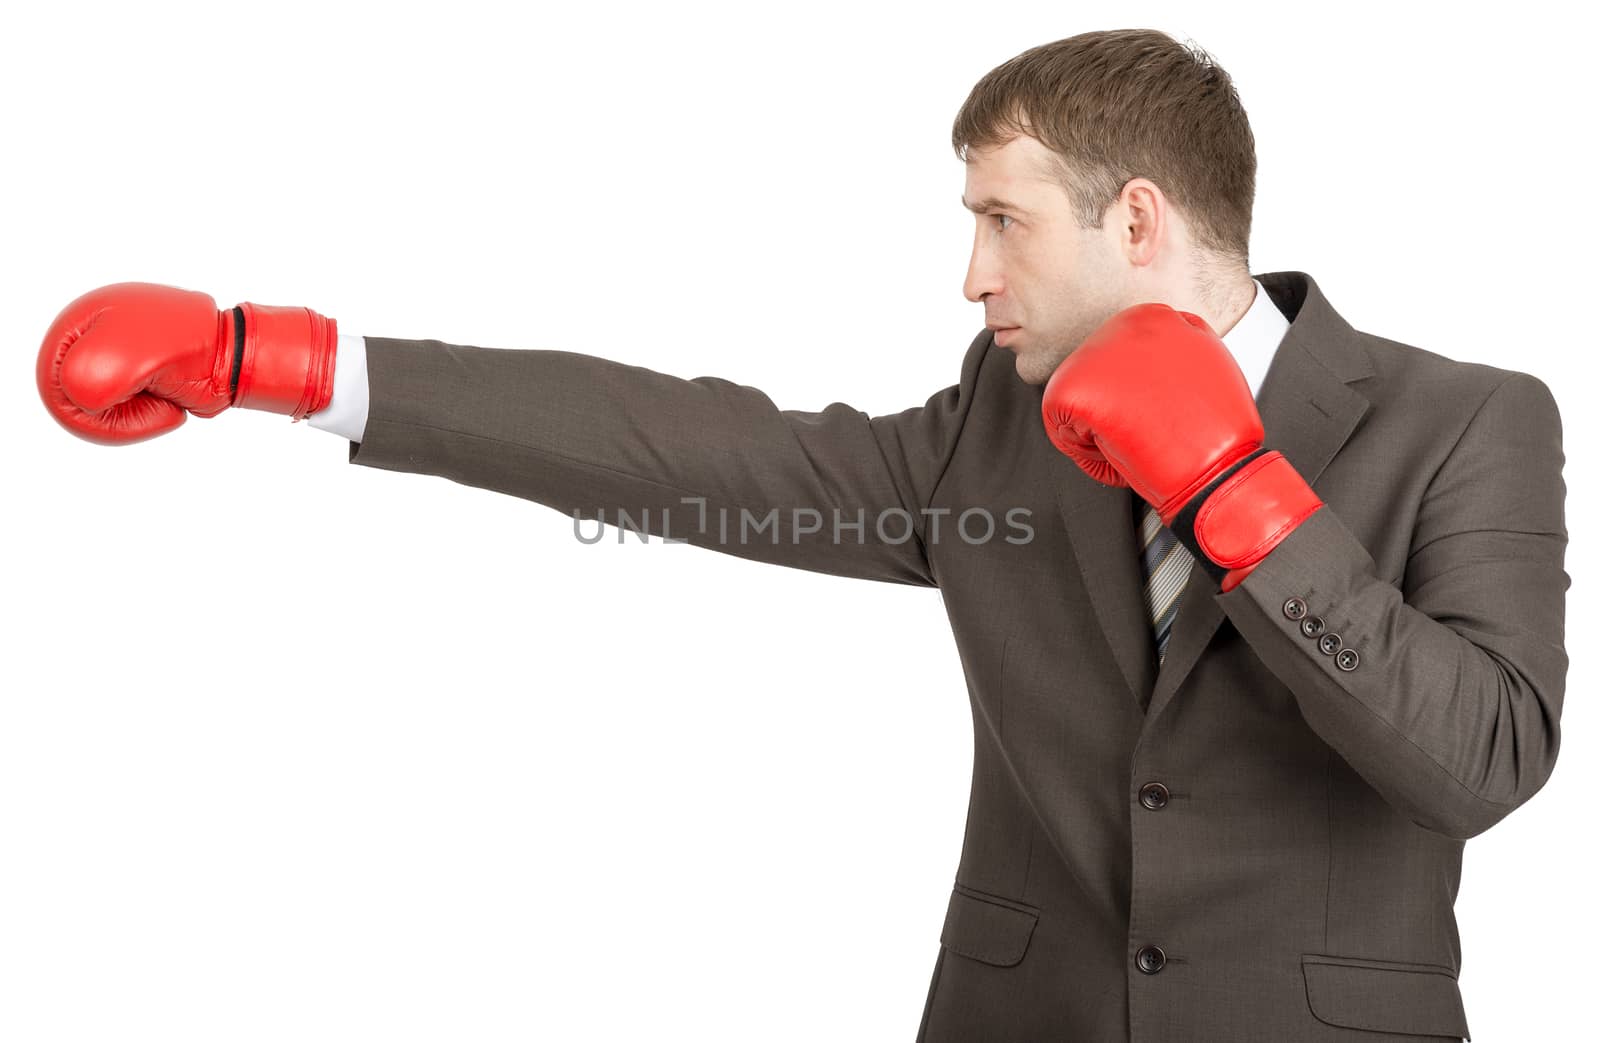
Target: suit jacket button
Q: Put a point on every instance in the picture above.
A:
(1153, 795)
(1312, 626)
(1295, 608)
(1330, 644)
(1348, 659)
(1150, 959)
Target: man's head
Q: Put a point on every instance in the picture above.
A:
(1106, 169)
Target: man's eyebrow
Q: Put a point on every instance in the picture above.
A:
(984, 206)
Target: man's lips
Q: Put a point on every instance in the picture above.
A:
(1003, 333)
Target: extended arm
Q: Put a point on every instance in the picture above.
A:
(705, 460)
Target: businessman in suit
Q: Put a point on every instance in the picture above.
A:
(1241, 821)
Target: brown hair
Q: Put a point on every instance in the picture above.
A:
(1124, 103)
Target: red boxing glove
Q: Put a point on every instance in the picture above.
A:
(1154, 400)
(129, 361)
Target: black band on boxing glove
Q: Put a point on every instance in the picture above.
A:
(238, 351)
(1183, 524)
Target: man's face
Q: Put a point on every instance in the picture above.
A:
(1032, 267)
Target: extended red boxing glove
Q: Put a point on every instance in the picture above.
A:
(1154, 400)
(130, 361)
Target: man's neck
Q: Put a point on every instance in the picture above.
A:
(1225, 307)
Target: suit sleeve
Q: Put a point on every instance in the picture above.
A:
(1451, 708)
(706, 461)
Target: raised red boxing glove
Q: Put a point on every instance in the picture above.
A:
(130, 361)
(1154, 400)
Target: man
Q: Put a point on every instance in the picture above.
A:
(1240, 821)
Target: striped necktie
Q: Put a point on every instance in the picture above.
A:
(1166, 564)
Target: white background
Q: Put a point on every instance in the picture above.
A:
(294, 749)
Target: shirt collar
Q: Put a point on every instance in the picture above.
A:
(1254, 339)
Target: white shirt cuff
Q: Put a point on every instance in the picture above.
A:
(346, 413)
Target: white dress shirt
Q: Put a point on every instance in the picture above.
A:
(1252, 341)
(346, 412)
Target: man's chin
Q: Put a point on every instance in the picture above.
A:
(1032, 369)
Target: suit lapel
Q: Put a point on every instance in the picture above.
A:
(1308, 411)
(1099, 522)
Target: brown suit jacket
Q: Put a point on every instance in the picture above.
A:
(1261, 839)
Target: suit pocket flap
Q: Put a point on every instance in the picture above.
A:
(1384, 996)
(986, 927)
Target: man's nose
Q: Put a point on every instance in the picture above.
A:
(983, 277)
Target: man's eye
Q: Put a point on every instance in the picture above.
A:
(1002, 217)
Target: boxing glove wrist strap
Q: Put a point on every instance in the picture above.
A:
(283, 359)
(1242, 514)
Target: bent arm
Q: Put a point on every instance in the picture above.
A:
(1451, 706)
